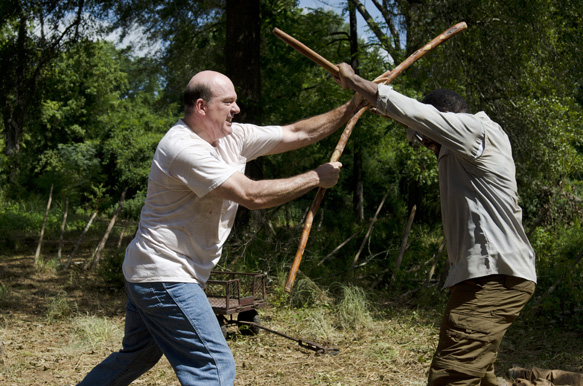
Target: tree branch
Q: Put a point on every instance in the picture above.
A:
(387, 43)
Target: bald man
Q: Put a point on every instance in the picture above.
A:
(196, 183)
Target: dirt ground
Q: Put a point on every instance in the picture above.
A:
(46, 338)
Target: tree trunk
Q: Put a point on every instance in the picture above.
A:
(357, 173)
(243, 67)
(243, 56)
(15, 110)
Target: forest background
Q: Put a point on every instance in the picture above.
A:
(82, 113)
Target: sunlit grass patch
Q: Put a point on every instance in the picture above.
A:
(353, 309)
(95, 332)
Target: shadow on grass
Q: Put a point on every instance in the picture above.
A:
(29, 291)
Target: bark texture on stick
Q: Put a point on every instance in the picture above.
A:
(306, 51)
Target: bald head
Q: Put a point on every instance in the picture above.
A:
(201, 86)
(210, 103)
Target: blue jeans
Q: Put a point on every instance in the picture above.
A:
(174, 319)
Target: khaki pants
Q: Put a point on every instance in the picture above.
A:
(477, 316)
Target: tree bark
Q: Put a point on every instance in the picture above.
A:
(357, 173)
(243, 56)
(243, 30)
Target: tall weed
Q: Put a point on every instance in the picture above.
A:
(352, 311)
(96, 332)
(305, 293)
(59, 307)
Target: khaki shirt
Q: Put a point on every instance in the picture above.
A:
(482, 220)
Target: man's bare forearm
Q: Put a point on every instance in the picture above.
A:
(269, 193)
(314, 129)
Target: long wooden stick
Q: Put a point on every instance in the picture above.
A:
(386, 78)
(306, 51)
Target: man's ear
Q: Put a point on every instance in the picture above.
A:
(200, 106)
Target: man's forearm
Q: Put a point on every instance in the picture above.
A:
(322, 125)
(269, 193)
(314, 129)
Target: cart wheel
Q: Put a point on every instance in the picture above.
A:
(249, 316)
(223, 324)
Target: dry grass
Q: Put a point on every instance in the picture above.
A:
(55, 327)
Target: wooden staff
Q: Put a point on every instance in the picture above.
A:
(307, 52)
(386, 78)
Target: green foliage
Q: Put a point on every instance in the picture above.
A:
(95, 113)
(109, 269)
(20, 223)
(74, 167)
(560, 291)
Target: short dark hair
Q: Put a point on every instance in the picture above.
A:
(446, 101)
(197, 91)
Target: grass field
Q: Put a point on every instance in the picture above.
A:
(55, 326)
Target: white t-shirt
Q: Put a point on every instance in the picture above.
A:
(182, 230)
(482, 220)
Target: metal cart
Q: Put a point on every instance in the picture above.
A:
(240, 293)
(231, 293)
